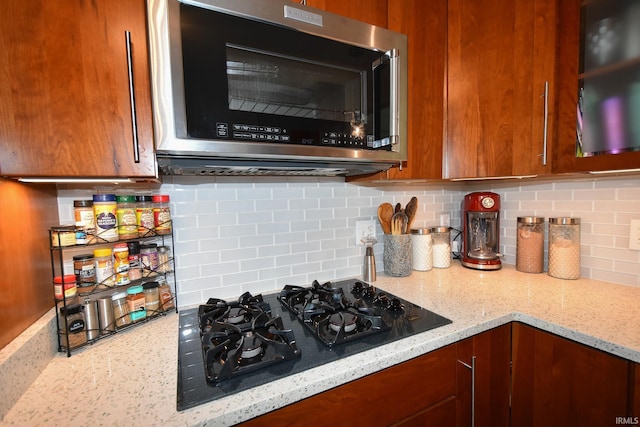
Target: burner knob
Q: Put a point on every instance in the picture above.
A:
(396, 305)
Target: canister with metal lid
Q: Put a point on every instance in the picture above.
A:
(564, 248)
(530, 244)
(441, 247)
(421, 245)
(91, 323)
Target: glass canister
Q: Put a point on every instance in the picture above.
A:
(441, 247)
(421, 245)
(530, 244)
(149, 259)
(564, 248)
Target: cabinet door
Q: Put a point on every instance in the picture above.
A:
(408, 393)
(64, 89)
(484, 378)
(569, 75)
(500, 54)
(559, 382)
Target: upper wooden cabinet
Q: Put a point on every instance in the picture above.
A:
(615, 77)
(501, 54)
(65, 105)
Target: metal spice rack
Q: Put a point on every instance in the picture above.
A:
(57, 266)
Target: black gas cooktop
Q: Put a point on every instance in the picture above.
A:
(229, 346)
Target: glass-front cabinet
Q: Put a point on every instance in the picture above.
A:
(606, 101)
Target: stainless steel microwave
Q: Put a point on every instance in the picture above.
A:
(271, 87)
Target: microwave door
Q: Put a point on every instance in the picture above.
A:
(385, 100)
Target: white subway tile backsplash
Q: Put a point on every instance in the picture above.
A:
(236, 234)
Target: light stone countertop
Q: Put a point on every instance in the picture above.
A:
(131, 379)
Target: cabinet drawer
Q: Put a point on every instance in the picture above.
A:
(383, 398)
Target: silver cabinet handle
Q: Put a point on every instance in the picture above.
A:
(132, 99)
(473, 387)
(546, 123)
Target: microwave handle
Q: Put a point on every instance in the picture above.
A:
(394, 75)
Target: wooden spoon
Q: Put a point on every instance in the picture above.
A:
(410, 210)
(385, 212)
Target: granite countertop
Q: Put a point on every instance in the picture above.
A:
(131, 378)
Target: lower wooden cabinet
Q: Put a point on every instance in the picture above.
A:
(483, 379)
(521, 377)
(420, 392)
(557, 382)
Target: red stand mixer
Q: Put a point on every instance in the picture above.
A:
(481, 231)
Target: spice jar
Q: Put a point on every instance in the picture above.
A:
(161, 214)
(163, 259)
(121, 263)
(126, 215)
(136, 302)
(422, 249)
(441, 246)
(63, 235)
(564, 248)
(149, 259)
(85, 221)
(106, 221)
(144, 216)
(72, 325)
(166, 298)
(530, 244)
(85, 270)
(135, 268)
(151, 297)
(120, 309)
(104, 266)
(65, 287)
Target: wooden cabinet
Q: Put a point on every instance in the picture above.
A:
(484, 378)
(417, 392)
(559, 382)
(570, 74)
(65, 105)
(500, 53)
(425, 24)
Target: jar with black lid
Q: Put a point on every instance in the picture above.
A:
(72, 325)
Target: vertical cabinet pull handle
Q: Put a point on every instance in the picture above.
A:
(473, 387)
(546, 123)
(132, 98)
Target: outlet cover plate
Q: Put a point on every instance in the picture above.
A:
(365, 229)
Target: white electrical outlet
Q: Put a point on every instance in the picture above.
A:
(445, 220)
(634, 234)
(365, 229)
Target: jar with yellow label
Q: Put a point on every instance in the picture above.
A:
(104, 267)
(121, 263)
(104, 209)
(161, 214)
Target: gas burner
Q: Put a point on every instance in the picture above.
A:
(241, 337)
(337, 314)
